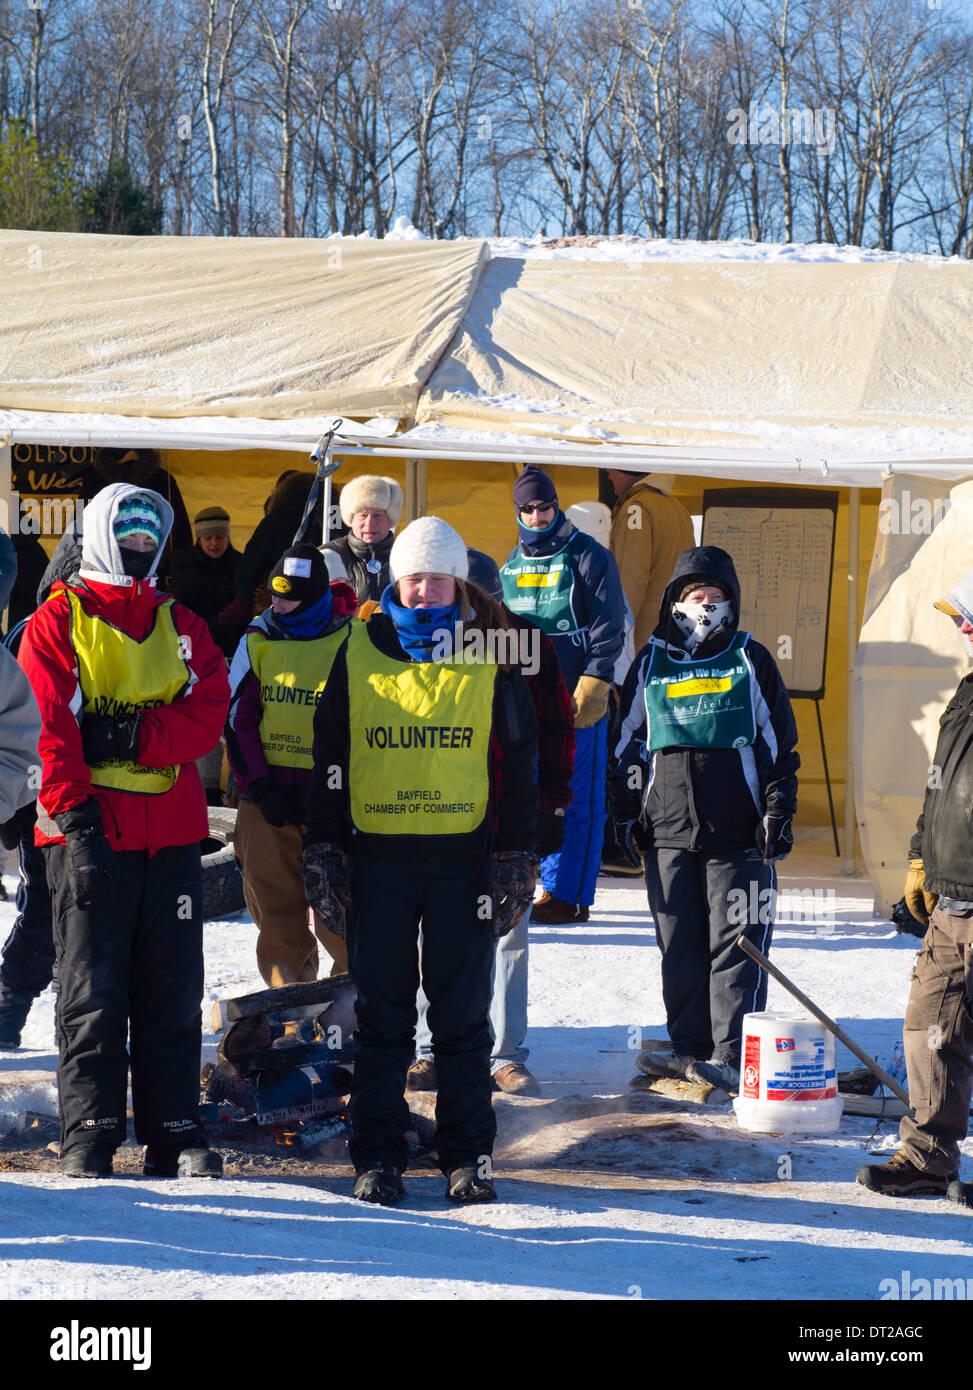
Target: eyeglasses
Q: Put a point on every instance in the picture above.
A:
(536, 507)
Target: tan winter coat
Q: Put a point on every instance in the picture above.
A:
(650, 529)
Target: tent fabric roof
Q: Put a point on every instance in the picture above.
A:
(674, 352)
(736, 368)
(180, 326)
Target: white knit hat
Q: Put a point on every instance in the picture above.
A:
(428, 546)
(370, 491)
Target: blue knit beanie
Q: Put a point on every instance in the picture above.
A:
(137, 514)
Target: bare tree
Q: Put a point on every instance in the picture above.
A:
(221, 23)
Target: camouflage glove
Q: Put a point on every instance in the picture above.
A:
(512, 877)
(590, 700)
(919, 902)
(326, 886)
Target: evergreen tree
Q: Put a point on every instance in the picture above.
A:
(118, 203)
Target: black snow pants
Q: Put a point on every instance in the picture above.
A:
(701, 903)
(130, 968)
(391, 898)
(27, 965)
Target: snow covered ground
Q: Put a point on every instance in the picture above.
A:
(635, 1198)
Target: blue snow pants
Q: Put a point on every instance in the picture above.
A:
(571, 874)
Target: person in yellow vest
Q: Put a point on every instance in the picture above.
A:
(423, 811)
(132, 689)
(277, 679)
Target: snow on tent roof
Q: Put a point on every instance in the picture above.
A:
(684, 352)
(180, 326)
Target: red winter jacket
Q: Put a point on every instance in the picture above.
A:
(172, 734)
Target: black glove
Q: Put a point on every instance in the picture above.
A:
(19, 827)
(277, 804)
(512, 878)
(326, 886)
(630, 839)
(91, 863)
(551, 827)
(774, 837)
(104, 738)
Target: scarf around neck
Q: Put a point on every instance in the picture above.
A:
(422, 630)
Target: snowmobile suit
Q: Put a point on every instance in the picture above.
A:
(133, 959)
(703, 750)
(461, 737)
(569, 585)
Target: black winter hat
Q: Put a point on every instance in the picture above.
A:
(533, 485)
(300, 573)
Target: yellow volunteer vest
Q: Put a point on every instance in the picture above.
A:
(292, 678)
(419, 742)
(119, 675)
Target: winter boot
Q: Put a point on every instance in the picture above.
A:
(422, 1076)
(464, 1185)
(720, 1072)
(382, 1185)
(14, 1009)
(961, 1193)
(516, 1080)
(91, 1161)
(166, 1161)
(901, 1178)
(674, 1064)
(555, 912)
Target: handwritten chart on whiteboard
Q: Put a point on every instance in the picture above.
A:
(782, 545)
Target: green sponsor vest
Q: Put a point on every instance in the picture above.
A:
(292, 678)
(542, 588)
(700, 704)
(419, 742)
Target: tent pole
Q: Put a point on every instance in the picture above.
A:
(415, 488)
(854, 521)
(410, 490)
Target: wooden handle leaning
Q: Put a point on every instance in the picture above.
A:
(829, 1023)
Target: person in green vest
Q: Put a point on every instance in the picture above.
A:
(568, 584)
(423, 813)
(277, 678)
(704, 780)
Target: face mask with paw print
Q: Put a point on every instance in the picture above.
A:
(698, 621)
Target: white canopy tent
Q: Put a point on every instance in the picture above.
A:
(853, 376)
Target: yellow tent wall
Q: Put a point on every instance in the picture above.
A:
(812, 794)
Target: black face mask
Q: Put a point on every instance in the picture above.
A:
(137, 563)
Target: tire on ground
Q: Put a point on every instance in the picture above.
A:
(222, 881)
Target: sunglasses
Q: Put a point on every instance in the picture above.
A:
(536, 507)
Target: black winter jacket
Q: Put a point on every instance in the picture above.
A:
(208, 587)
(511, 822)
(357, 557)
(709, 799)
(944, 832)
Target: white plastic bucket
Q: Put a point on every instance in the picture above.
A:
(788, 1076)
